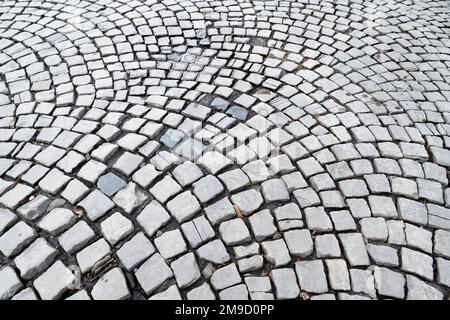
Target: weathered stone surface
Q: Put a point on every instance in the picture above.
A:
(238, 292)
(165, 189)
(153, 273)
(129, 198)
(112, 286)
(34, 208)
(116, 227)
(12, 198)
(275, 190)
(383, 255)
(327, 246)
(382, 207)
(7, 218)
(419, 290)
(374, 228)
(443, 268)
(363, 282)
(258, 284)
(276, 252)
(187, 173)
(225, 277)
(412, 211)
(338, 275)
(54, 282)
(27, 294)
(36, 258)
(207, 188)
(213, 161)
(354, 249)
(285, 283)
(197, 231)
(417, 262)
(170, 244)
(57, 221)
(219, 211)
(299, 242)
(153, 217)
(16, 238)
(171, 293)
(442, 243)
(89, 256)
(184, 206)
(136, 250)
(234, 232)
(186, 270)
(247, 201)
(262, 134)
(389, 283)
(317, 219)
(110, 183)
(311, 276)
(81, 295)
(214, 252)
(343, 220)
(250, 264)
(202, 292)
(76, 237)
(262, 225)
(419, 238)
(96, 205)
(9, 284)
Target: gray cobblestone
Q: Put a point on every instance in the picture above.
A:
(16, 238)
(112, 286)
(36, 258)
(285, 283)
(146, 274)
(311, 276)
(276, 136)
(10, 283)
(54, 282)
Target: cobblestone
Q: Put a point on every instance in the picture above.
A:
(417, 262)
(10, 283)
(338, 275)
(225, 277)
(285, 283)
(76, 237)
(214, 252)
(57, 221)
(299, 242)
(16, 238)
(134, 251)
(92, 254)
(186, 270)
(419, 290)
(182, 149)
(36, 258)
(116, 227)
(54, 281)
(112, 286)
(311, 276)
(276, 252)
(327, 246)
(146, 274)
(389, 283)
(234, 232)
(170, 244)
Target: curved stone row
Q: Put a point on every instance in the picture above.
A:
(224, 149)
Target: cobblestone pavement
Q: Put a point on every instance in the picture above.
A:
(224, 149)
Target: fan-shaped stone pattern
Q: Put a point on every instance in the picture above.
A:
(196, 146)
